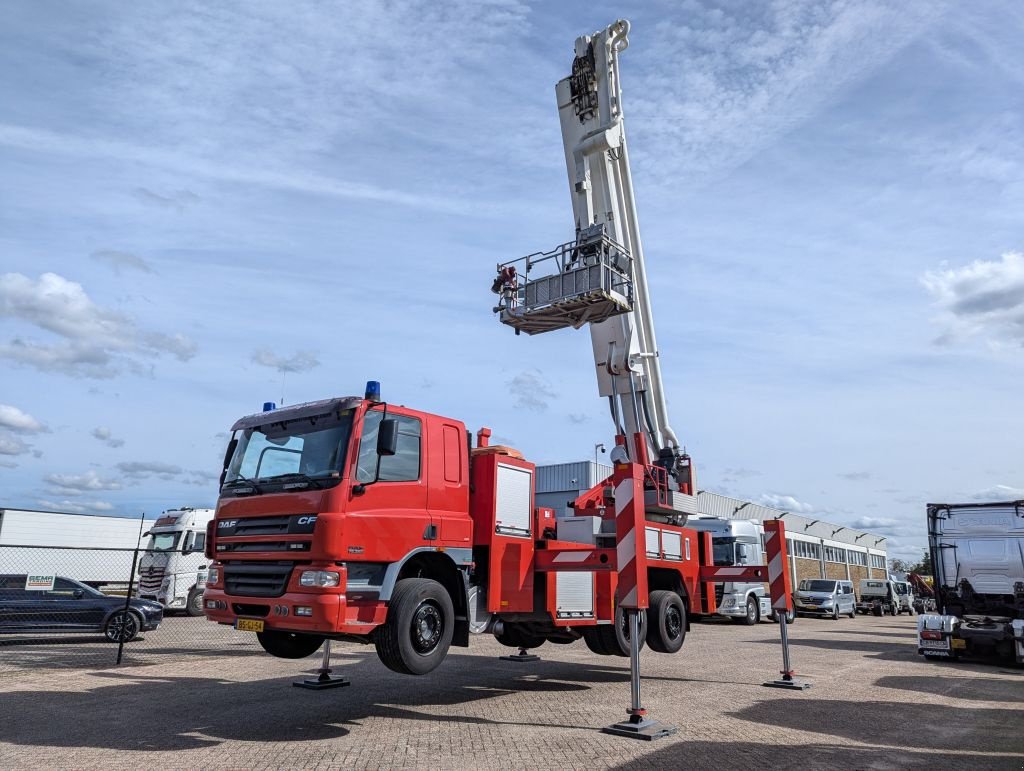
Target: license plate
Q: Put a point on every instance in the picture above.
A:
(959, 643)
(249, 624)
(940, 644)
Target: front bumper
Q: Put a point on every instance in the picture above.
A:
(331, 613)
(813, 610)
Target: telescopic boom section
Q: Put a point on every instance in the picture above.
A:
(599, 278)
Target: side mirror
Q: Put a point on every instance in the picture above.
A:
(387, 437)
(78, 594)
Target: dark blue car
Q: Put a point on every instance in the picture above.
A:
(71, 606)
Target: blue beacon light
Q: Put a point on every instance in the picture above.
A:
(268, 406)
(373, 390)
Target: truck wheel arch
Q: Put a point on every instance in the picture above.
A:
(428, 562)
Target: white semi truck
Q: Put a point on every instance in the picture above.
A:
(172, 569)
(977, 552)
(738, 542)
(93, 549)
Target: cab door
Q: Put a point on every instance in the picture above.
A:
(387, 514)
(448, 496)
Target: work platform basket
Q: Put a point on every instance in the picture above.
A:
(586, 280)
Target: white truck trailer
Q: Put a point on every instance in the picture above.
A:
(977, 552)
(172, 570)
(738, 542)
(89, 548)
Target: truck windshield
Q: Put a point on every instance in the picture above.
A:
(163, 541)
(808, 585)
(724, 550)
(303, 450)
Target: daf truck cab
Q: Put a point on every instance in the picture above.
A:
(172, 570)
(737, 542)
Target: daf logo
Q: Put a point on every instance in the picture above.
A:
(228, 523)
(307, 520)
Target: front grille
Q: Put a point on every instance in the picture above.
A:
(262, 526)
(257, 579)
(264, 546)
(151, 579)
(719, 593)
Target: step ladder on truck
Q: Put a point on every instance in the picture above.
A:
(358, 520)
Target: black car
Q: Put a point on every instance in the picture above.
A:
(71, 606)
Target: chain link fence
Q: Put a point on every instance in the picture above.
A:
(66, 607)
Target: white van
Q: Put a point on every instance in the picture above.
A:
(825, 597)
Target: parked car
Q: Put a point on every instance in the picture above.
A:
(824, 597)
(71, 606)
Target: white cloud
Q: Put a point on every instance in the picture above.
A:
(785, 503)
(178, 200)
(300, 361)
(117, 259)
(985, 297)
(999, 493)
(95, 342)
(139, 470)
(73, 484)
(76, 507)
(106, 436)
(729, 80)
(531, 390)
(12, 445)
(14, 419)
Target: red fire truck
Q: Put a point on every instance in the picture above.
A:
(360, 520)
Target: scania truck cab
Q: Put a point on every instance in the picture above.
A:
(172, 569)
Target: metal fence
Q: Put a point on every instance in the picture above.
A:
(83, 607)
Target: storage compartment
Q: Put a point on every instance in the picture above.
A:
(574, 595)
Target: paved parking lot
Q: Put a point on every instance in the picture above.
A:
(874, 704)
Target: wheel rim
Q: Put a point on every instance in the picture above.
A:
(751, 610)
(197, 603)
(427, 628)
(673, 623)
(122, 628)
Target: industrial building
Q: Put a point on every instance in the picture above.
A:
(817, 549)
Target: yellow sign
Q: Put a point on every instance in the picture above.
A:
(959, 643)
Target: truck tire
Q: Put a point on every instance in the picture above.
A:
(877, 610)
(753, 614)
(289, 645)
(415, 638)
(666, 622)
(617, 634)
(194, 605)
(596, 641)
(790, 616)
(515, 636)
(122, 626)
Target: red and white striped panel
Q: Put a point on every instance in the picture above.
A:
(779, 586)
(630, 551)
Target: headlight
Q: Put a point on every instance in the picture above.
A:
(213, 575)
(828, 602)
(319, 578)
(729, 602)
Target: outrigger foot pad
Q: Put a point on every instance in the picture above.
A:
(520, 657)
(634, 728)
(322, 682)
(792, 685)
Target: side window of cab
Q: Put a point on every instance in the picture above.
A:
(404, 465)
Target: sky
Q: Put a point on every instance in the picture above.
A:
(205, 206)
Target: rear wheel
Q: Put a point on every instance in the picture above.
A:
(667, 625)
(289, 645)
(877, 610)
(416, 636)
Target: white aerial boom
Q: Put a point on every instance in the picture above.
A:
(599, 278)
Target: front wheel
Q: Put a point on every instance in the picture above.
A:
(835, 613)
(289, 645)
(667, 622)
(418, 632)
(751, 616)
(194, 606)
(790, 616)
(122, 627)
